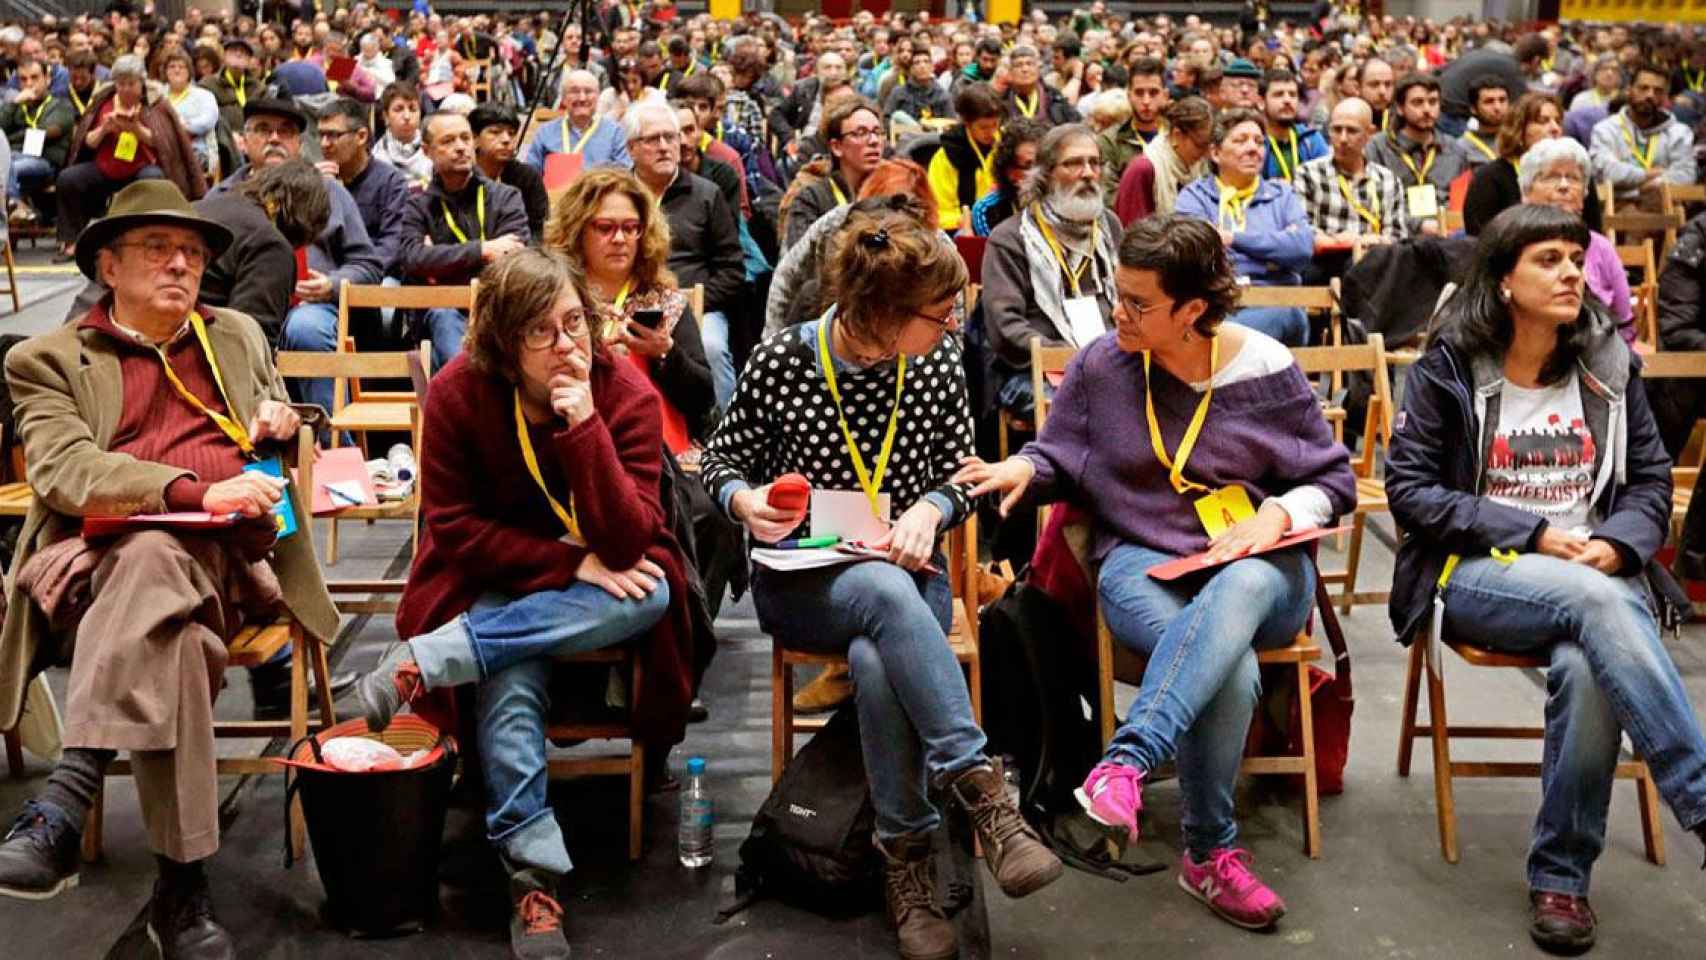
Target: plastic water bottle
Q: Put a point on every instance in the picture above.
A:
(697, 815)
(402, 461)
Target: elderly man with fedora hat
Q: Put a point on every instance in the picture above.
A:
(152, 402)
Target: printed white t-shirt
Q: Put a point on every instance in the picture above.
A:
(1542, 457)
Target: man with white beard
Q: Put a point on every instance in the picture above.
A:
(1049, 272)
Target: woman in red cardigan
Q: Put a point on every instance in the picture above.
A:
(544, 536)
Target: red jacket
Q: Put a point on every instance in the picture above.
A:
(1136, 197)
(488, 528)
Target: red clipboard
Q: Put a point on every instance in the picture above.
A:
(1184, 566)
(561, 170)
(94, 527)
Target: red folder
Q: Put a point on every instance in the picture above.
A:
(94, 527)
(338, 69)
(1174, 569)
(561, 170)
(342, 466)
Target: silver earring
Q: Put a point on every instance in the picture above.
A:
(1505, 294)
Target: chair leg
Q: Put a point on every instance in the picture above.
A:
(974, 681)
(1001, 432)
(92, 825)
(14, 754)
(332, 543)
(1444, 799)
(1104, 678)
(12, 278)
(1407, 721)
(322, 681)
(636, 797)
(1352, 558)
(1311, 786)
(1652, 827)
(299, 657)
(781, 711)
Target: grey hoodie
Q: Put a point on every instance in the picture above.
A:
(1613, 155)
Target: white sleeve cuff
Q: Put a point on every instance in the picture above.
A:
(1307, 506)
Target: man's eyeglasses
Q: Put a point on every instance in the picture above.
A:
(863, 134)
(545, 334)
(617, 228)
(267, 131)
(334, 134)
(157, 252)
(662, 138)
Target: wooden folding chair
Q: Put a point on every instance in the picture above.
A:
(1681, 364)
(397, 412)
(15, 493)
(1676, 197)
(630, 763)
(11, 270)
(1625, 229)
(962, 639)
(1427, 658)
(1370, 358)
(1644, 293)
(1308, 299)
(254, 645)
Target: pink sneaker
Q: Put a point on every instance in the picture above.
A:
(1112, 795)
(1227, 886)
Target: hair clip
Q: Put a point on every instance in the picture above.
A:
(878, 240)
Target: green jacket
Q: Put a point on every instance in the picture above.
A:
(1119, 146)
(57, 118)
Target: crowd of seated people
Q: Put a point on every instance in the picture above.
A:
(711, 254)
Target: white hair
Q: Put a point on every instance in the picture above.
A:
(1544, 154)
(129, 65)
(568, 75)
(635, 116)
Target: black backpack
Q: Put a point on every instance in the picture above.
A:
(811, 840)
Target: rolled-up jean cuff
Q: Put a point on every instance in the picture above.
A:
(447, 656)
(1569, 888)
(535, 842)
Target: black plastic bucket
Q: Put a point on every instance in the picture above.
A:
(376, 835)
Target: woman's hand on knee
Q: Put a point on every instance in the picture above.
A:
(1600, 555)
(635, 583)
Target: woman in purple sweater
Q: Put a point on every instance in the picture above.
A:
(1234, 433)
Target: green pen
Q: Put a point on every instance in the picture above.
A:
(807, 543)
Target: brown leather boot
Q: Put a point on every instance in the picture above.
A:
(1017, 857)
(830, 689)
(909, 887)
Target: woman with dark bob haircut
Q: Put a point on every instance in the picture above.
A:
(1533, 489)
(544, 536)
(1238, 456)
(868, 403)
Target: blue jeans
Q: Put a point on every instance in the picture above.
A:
(312, 327)
(1609, 673)
(1200, 688)
(915, 720)
(1288, 325)
(446, 328)
(31, 175)
(715, 333)
(507, 645)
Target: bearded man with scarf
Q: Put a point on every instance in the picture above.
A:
(1048, 272)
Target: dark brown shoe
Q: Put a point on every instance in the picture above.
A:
(909, 887)
(1021, 863)
(1560, 923)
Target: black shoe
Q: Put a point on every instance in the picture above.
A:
(697, 712)
(536, 922)
(41, 853)
(1560, 923)
(180, 918)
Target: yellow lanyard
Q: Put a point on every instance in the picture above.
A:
(469, 48)
(1696, 80)
(663, 82)
(30, 121)
(1481, 145)
(692, 65)
(80, 103)
(1176, 467)
(983, 159)
(479, 212)
(1075, 277)
(705, 141)
(1427, 164)
(1028, 111)
(1233, 202)
(176, 98)
(871, 483)
(571, 522)
(584, 137)
(226, 425)
(238, 86)
(1279, 155)
(1366, 213)
(835, 188)
(1646, 161)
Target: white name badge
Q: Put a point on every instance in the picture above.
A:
(35, 139)
(1084, 315)
(1422, 200)
(847, 514)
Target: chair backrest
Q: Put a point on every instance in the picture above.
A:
(1677, 196)
(352, 296)
(1617, 225)
(1303, 298)
(341, 366)
(1681, 365)
(1369, 358)
(1046, 364)
(1644, 291)
(1607, 197)
(962, 568)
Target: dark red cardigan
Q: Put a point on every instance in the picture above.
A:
(489, 528)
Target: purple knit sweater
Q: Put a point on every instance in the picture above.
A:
(1265, 434)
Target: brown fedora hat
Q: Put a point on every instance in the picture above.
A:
(141, 204)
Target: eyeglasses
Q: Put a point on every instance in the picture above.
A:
(1136, 310)
(863, 134)
(544, 335)
(662, 138)
(157, 252)
(943, 322)
(617, 228)
(1082, 165)
(334, 134)
(1560, 180)
(267, 131)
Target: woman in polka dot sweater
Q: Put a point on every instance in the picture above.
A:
(871, 396)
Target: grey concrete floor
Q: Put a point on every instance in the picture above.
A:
(1381, 889)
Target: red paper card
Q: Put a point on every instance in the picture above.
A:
(561, 170)
(113, 526)
(1174, 569)
(343, 466)
(338, 70)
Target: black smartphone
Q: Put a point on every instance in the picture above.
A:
(650, 319)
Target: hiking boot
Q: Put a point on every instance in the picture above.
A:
(1225, 884)
(536, 925)
(909, 888)
(1017, 857)
(1560, 923)
(831, 688)
(392, 685)
(40, 854)
(180, 919)
(1113, 796)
